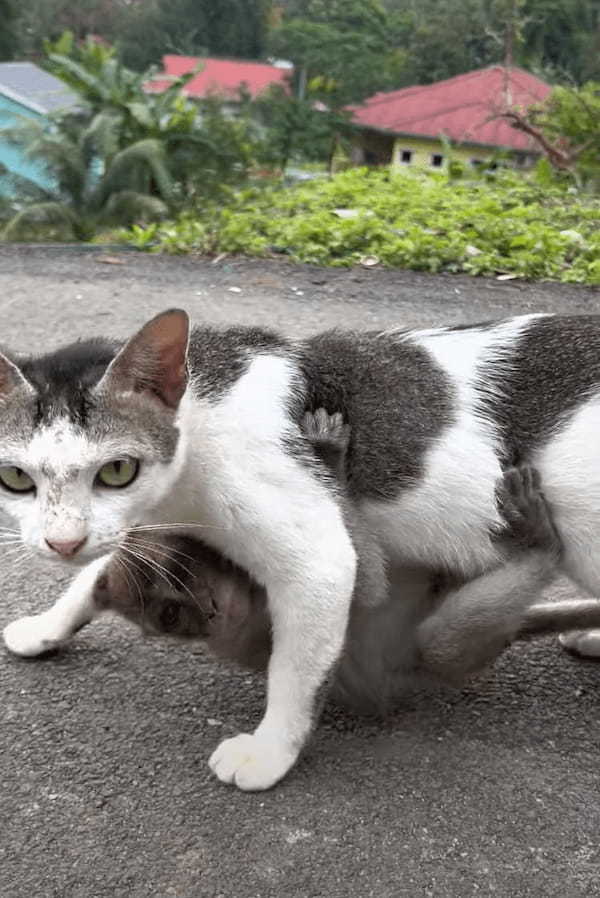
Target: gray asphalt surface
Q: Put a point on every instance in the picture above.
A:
(491, 790)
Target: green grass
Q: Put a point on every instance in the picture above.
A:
(529, 227)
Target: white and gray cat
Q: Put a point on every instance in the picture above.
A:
(180, 587)
(98, 440)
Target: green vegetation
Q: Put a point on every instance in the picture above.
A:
(124, 155)
(500, 224)
(187, 176)
(355, 43)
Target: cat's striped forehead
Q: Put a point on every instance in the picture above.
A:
(65, 421)
(64, 380)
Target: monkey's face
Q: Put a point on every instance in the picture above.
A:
(176, 586)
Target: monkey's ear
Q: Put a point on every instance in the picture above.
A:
(153, 361)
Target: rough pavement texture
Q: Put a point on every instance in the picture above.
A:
(492, 790)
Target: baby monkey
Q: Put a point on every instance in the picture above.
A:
(172, 585)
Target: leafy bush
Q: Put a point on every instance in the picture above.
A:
(123, 155)
(499, 224)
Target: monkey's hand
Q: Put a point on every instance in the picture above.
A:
(528, 520)
(325, 430)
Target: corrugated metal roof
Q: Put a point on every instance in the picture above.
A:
(26, 83)
(462, 108)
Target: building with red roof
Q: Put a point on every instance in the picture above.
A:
(410, 126)
(225, 77)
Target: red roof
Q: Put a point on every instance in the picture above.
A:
(461, 108)
(222, 76)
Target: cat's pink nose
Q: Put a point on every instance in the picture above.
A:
(66, 547)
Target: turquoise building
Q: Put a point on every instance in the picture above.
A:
(30, 92)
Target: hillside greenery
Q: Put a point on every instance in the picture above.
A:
(352, 46)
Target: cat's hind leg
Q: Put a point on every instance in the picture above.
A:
(36, 634)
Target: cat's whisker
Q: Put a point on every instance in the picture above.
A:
(163, 551)
(17, 559)
(130, 576)
(17, 544)
(149, 562)
(172, 525)
(131, 566)
(174, 552)
(160, 569)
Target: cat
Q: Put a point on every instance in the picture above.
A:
(99, 438)
(182, 588)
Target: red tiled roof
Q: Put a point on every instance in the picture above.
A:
(223, 76)
(460, 108)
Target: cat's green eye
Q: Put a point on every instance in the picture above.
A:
(16, 480)
(118, 473)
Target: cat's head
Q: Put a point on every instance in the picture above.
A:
(89, 437)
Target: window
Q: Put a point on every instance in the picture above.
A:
(406, 156)
(437, 160)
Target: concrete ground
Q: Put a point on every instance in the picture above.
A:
(491, 790)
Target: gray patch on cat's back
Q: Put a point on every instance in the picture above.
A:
(533, 391)
(218, 358)
(393, 395)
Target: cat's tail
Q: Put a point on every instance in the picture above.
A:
(557, 617)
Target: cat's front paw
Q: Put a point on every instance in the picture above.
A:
(585, 643)
(30, 636)
(251, 762)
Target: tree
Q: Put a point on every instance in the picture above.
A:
(235, 28)
(341, 46)
(41, 20)
(441, 38)
(124, 155)
(93, 182)
(563, 37)
(9, 37)
(566, 127)
(293, 128)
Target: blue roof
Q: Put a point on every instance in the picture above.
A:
(31, 86)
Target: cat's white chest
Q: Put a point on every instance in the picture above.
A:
(241, 490)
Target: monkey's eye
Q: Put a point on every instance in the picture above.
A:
(169, 616)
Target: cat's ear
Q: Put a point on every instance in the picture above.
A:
(11, 378)
(154, 360)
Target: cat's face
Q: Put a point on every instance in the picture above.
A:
(89, 439)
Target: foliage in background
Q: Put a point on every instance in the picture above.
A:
(123, 155)
(294, 128)
(497, 224)
(566, 127)
(557, 39)
(145, 29)
(41, 20)
(94, 182)
(9, 32)
(235, 28)
(419, 41)
(338, 46)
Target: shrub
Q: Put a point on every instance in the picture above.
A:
(498, 224)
